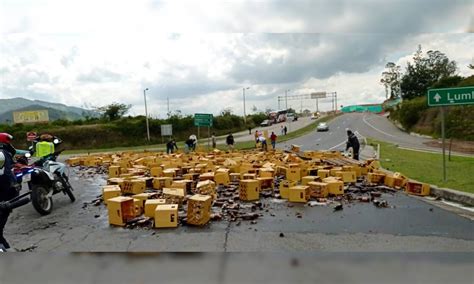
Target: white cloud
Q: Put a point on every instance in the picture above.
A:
(98, 52)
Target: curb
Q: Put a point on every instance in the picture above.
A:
(453, 195)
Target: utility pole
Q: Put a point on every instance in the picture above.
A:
(243, 94)
(286, 99)
(168, 103)
(146, 116)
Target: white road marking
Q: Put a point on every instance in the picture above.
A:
(362, 136)
(337, 146)
(383, 132)
(344, 142)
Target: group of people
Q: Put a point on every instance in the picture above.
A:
(261, 140)
(189, 145)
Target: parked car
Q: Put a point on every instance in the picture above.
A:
(266, 122)
(323, 126)
(314, 116)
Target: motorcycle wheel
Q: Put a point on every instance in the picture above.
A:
(40, 200)
(68, 190)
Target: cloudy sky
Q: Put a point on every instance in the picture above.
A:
(200, 54)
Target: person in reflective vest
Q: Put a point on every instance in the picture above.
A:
(44, 148)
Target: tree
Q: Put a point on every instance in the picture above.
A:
(391, 80)
(471, 66)
(424, 72)
(226, 112)
(114, 111)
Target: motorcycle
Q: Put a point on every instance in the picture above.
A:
(45, 177)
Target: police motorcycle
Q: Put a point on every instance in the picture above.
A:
(47, 178)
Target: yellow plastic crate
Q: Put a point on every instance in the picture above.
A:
(222, 178)
(114, 171)
(110, 191)
(266, 182)
(347, 177)
(166, 216)
(299, 193)
(199, 209)
(249, 190)
(156, 172)
(305, 180)
(134, 186)
(293, 174)
(375, 178)
(150, 206)
(418, 188)
(121, 209)
(335, 186)
(285, 188)
(162, 182)
(318, 189)
(323, 173)
(174, 195)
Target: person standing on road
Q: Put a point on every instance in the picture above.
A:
(213, 140)
(170, 146)
(195, 140)
(7, 181)
(282, 130)
(263, 141)
(273, 139)
(250, 130)
(353, 142)
(285, 130)
(188, 145)
(230, 141)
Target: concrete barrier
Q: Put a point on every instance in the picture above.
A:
(453, 195)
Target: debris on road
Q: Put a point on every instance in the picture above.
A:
(380, 203)
(338, 207)
(197, 188)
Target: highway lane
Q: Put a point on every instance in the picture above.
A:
(364, 125)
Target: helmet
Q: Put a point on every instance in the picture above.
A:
(5, 138)
(46, 137)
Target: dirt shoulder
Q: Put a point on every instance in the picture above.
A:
(466, 147)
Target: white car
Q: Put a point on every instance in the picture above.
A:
(323, 126)
(266, 122)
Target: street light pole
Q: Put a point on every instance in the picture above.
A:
(243, 94)
(146, 116)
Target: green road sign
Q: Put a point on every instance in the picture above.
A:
(451, 96)
(203, 119)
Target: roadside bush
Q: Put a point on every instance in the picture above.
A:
(410, 111)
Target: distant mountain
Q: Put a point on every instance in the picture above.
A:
(56, 111)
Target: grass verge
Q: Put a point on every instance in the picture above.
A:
(428, 167)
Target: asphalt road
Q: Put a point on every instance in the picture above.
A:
(408, 225)
(364, 125)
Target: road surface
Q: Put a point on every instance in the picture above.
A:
(364, 125)
(408, 225)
